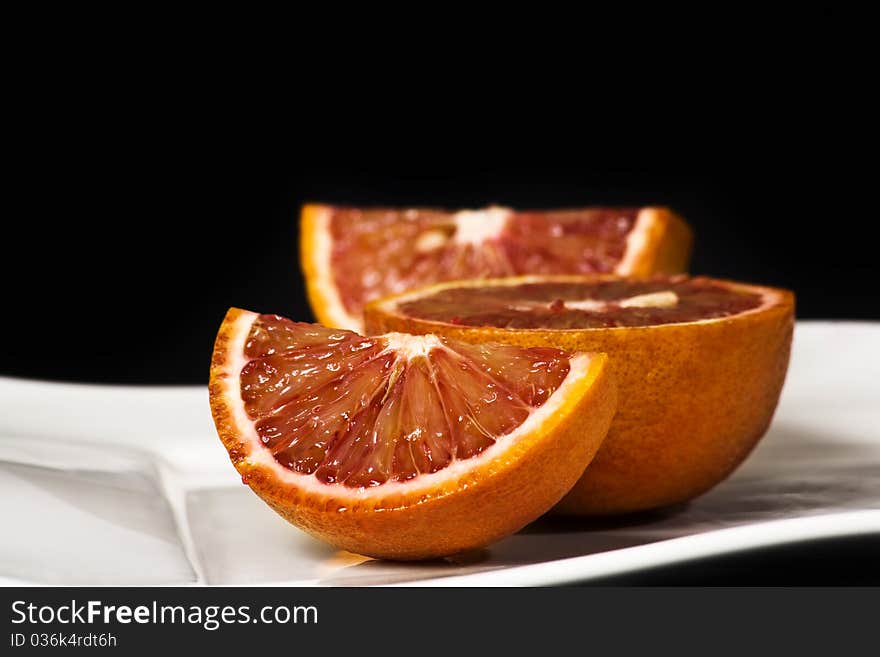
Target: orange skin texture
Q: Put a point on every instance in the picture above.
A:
(320, 297)
(490, 501)
(666, 250)
(695, 398)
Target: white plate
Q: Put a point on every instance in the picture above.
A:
(130, 485)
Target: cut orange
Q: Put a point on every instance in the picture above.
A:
(699, 365)
(403, 446)
(351, 256)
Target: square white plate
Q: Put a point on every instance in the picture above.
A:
(130, 485)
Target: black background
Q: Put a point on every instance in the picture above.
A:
(129, 260)
(155, 183)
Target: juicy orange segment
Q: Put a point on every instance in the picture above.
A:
(360, 412)
(403, 446)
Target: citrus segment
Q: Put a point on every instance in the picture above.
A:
(351, 255)
(317, 397)
(699, 363)
(403, 446)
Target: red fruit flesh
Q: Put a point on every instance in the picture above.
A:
(554, 305)
(425, 245)
(365, 411)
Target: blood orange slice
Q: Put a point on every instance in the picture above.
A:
(403, 446)
(699, 364)
(351, 256)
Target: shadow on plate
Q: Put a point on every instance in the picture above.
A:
(796, 472)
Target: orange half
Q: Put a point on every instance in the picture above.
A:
(699, 364)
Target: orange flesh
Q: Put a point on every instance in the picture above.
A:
(545, 305)
(553, 242)
(344, 408)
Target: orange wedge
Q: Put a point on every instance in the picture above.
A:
(399, 446)
(351, 256)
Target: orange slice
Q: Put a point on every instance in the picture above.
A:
(351, 256)
(699, 365)
(403, 446)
